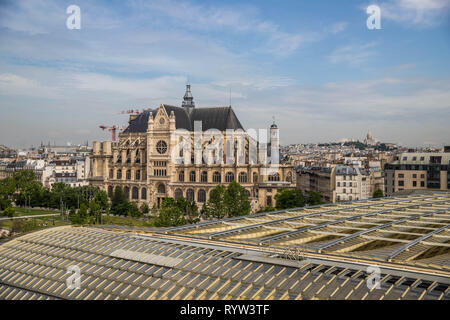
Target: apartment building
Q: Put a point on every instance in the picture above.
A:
(418, 171)
(337, 183)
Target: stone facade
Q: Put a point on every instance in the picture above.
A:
(149, 165)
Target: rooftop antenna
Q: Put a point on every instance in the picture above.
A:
(230, 96)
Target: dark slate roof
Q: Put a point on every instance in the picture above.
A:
(220, 118)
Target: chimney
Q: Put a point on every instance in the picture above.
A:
(132, 117)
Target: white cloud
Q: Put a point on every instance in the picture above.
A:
(422, 13)
(354, 55)
(339, 27)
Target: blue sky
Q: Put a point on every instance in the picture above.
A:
(313, 65)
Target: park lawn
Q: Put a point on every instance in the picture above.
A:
(32, 212)
(40, 223)
(128, 221)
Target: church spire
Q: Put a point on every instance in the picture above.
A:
(188, 99)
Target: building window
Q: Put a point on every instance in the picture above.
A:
(269, 201)
(135, 193)
(201, 196)
(255, 177)
(217, 177)
(204, 176)
(159, 172)
(350, 198)
(144, 194)
(178, 194)
(401, 183)
(161, 147)
(274, 177)
(192, 176)
(344, 191)
(414, 183)
(138, 175)
(110, 191)
(181, 176)
(128, 174)
(229, 177)
(422, 176)
(127, 192)
(119, 174)
(422, 158)
(401, 175)
(190, 195)
(242, 177)
(161, 188)
(111, 173)
(414, 175)
(422, 184)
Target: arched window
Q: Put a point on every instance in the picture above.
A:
(178, 194)
(119, 174)
(127, 192)
(229, 177)
(190, 195)
(289, 177)
(255, 177)
(135, 193)
(248, 193)
(242, 177)
(144, 193)
(110, 191)
(128, 174)
(111, 173)
(161, 188)
(138, 175)
(192, 176)
(181, 176)
(217, 177)
(204, 176)
(274, 177)
(137, 159)
(201, 196)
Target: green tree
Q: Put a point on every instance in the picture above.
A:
(133, 210)
(95, 210)
(170, 216)
(82, 216)
(215, 207)
(101, 197)
(189, 209)
(236, 200)
(119, 202)
(289, 198)
(9, 212)
(314, 198)
(378, 193)
(145, 208)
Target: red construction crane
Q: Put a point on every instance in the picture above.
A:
(110, 129)
(131, 111)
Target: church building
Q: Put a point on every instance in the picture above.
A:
(150, 163)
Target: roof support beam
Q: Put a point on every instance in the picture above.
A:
(321, 225)
(357, 234)
(416, 241)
